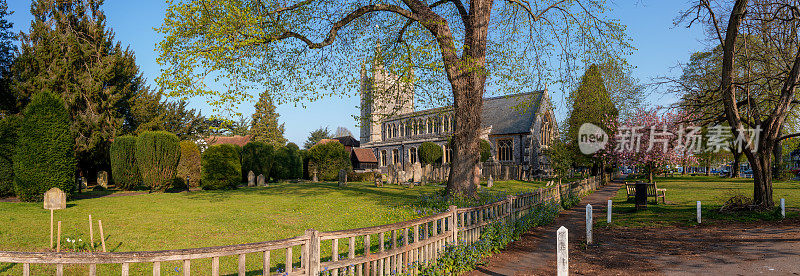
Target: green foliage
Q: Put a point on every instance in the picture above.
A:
(328, 159)
(315, 136)
(258, 157)
(8, 101)
(9, 126)
(149, 112)
(124, 168)
(486, 150)
(430, 153)
(222, 168)
(560, 156)
(189, 164)
(45, 150)
(288, 163)
(157, 153)
(360, 177)
(265, 127)
(591, 103)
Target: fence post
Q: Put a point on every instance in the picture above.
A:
(454, 223)
(312, 258)
(510, 209)
(589, 224)
(699, 212)
(783, 208)
(608, 215)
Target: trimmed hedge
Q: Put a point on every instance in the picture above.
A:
(45, 152)
(257, 157)
(157, 153)
(9, 127)
(124, 169)
(430, 153)
(189, 164)
(288, 163)
(328, 159)
(222, 168)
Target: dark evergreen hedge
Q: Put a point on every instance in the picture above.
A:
(124, 168)
(189, 164)
(257, 157)
(288, 163)
(45, 151)
(328, 159)
(430, 153)
(222, 168)
(9, 126)
(157, 153)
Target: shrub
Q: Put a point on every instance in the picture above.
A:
(485, 149)
(257, 157)
(157, 153)
(8, 143)
(45, 151)
(430, 153)
(288, 162)
(361, 177)
(221, 167)
(328, 159)
(124, 168)
(189, 164)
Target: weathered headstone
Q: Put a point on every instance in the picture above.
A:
(506, 173)
(314, 176)
(490, 182)
(562, 251)
(588, 224)
(262, 181)
(55, 199)
(342, 178)
(378, 180)
(417, 172)
(251, 179)
(102, 179)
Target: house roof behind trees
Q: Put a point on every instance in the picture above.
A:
(364, 155)
(235, 140)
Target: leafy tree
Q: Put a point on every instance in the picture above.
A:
(258, 157)
(279, 44)
(315, 136)
(8, 102)
(69, 50)
(190, 164)
(560, 156)
(430, 153)
(124, 168)
(328, 159)
(591, 103)
(44, 156)
(265, 127)
(149, 112)
(9, 127)
(157, 154)
(222, 168)
(764, 77)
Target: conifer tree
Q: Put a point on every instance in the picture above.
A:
(69, 50)
(265, 127)
(7, 49)
(591, 103)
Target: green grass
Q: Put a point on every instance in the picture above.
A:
(211, 218)
(682, 196)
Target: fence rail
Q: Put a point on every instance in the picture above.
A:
(379, 250)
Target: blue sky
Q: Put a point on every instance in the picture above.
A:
(660, 47)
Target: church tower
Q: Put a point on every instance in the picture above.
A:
(383, 95)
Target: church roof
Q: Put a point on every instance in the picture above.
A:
(511, 113)
(364, 155)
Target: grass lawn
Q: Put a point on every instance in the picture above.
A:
(211, 218)
(684, 192)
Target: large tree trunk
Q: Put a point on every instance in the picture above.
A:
(737, 155)
(761, 163)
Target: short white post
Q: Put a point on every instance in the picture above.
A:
(699, 216)
(608, 212)
(783, 208)
(562, 251)
(588, 224)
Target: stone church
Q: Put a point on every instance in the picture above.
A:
(518, 126)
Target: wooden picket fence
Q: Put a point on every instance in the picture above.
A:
(390, 249)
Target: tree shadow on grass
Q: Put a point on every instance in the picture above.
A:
(6, 267)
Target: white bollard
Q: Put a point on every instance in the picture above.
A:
(783, 208)
(608, 212)
(562, 252)
(699, 218)
(588, 224)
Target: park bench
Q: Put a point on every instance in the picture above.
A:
(652, 191)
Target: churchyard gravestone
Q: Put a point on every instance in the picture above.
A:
(378, 180)
(490, 182)
(262, 181)
(342, 177)
(506, 173)
(314, 176)
(417, 172)
(102, 179)
(251, 179)
(54, 199)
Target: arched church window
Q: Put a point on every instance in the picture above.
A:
(505, 149)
